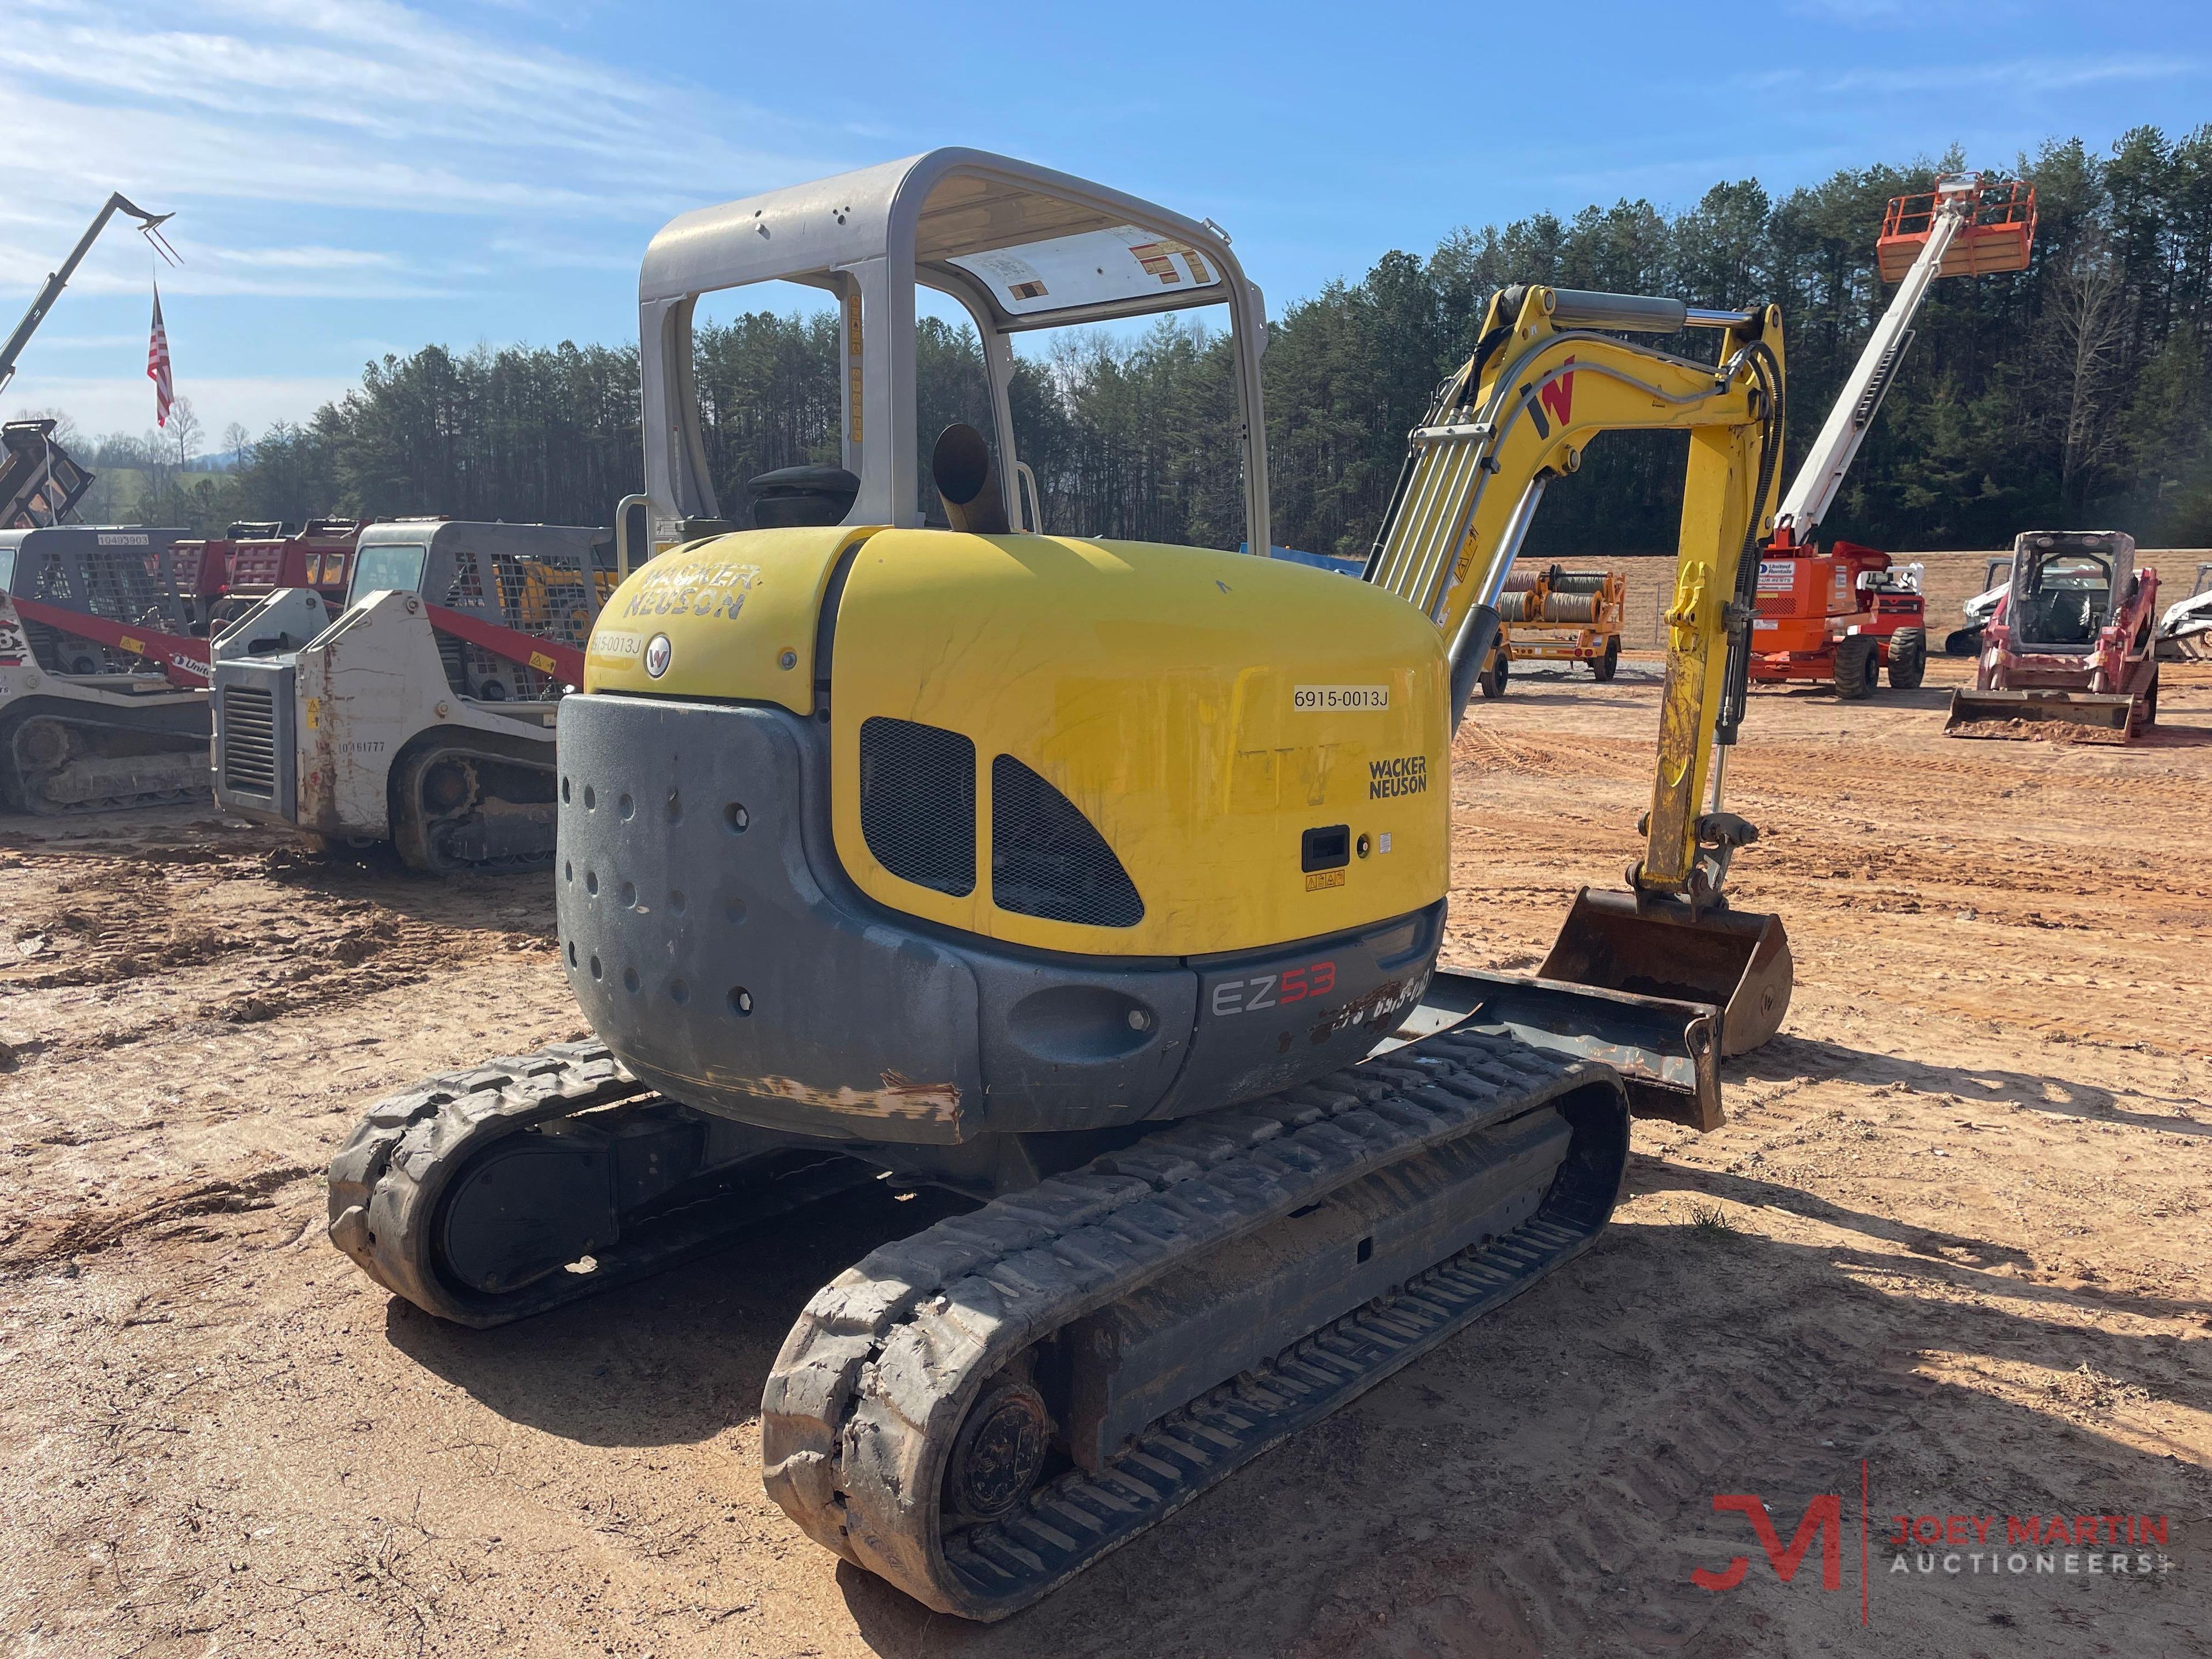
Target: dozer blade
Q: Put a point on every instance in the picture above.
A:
(1659, 951)
(1666, 1051)
(2068, 716)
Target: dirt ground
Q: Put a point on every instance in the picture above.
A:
(1953, 1241)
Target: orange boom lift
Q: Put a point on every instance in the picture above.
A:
(1842, 614)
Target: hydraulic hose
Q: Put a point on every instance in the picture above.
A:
(1735, 683)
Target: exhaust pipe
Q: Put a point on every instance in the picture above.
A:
(966, 483)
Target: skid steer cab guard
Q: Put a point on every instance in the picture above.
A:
(103, 691)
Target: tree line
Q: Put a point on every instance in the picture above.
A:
(2078, 391)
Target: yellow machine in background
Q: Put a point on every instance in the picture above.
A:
(1100, 883)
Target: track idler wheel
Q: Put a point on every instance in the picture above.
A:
(449, 786)
(44, 743)
(999, 1452)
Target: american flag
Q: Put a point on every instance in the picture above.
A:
(157, 365)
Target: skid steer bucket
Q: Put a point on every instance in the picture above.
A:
(2072, 716)
(1737, 961)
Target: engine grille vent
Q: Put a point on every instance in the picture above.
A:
(1048, 859)
(249, 739)
(918, 803)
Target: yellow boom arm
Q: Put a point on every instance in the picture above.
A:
(1518, 413)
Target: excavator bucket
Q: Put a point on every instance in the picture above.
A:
(1737, 962)
(2063, 716)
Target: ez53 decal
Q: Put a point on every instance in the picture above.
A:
(1262, 991)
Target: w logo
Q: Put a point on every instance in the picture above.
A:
(1558, 397)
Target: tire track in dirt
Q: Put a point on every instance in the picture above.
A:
(35, 1240)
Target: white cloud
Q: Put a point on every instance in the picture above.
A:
(357, 116)
(126, 404)
(2024, 74)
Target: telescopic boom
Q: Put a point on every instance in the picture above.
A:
(57, 281)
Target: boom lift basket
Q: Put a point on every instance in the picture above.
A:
(1997, 241)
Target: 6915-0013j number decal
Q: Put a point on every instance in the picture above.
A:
(1309, 699)
(1250, 996)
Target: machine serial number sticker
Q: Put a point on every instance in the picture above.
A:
(1320, 878)
(617, 648)
(1311, 698)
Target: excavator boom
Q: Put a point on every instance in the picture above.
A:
(1541, 383)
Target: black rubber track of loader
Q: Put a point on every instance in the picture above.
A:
(17, 792)
(877, 1376)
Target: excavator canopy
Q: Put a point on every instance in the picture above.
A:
(1016, 246)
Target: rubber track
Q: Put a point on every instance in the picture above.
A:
(41, 806)
(47, 809)
(879, 1371)
(387, 1178)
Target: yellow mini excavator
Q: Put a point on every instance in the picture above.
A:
(1100, 881)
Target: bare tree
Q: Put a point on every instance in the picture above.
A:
(237, 445)
(2089, 312)
(65, 432)
(184, 432)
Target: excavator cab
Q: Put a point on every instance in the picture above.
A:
(1016, 248)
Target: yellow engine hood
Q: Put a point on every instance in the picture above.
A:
(1203, 710)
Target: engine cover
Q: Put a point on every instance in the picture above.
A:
(716, 944)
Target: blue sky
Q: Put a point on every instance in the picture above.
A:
(355, 177)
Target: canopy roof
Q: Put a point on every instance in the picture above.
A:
(1042, 247)
(1020, 246)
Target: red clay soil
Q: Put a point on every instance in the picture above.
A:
(1953, 1241)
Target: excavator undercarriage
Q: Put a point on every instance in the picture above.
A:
(979, 1411)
